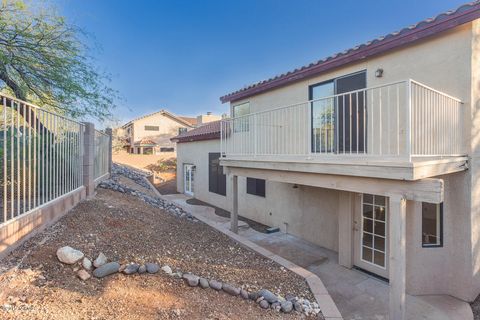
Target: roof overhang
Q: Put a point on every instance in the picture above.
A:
(419, 32)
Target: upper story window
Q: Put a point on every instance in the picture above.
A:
(432, 224)
(241, 112)
(152, 128)
(182, 130)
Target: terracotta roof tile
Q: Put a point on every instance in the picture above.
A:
(208, 131)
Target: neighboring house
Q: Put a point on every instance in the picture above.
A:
(372, 153)
(150, 134)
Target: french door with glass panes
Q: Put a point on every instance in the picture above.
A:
(371, 235)
(188, 178)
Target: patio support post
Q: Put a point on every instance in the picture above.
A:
(88, 159)
(397, 256)
(234, 211)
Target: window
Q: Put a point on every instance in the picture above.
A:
(432, 224)
(242, 111)
(152, 128)
(256, 187)
(217, 181)
(182, 130)
(166, 149)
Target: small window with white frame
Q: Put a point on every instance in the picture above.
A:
(432, 224)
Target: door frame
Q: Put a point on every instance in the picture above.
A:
(336, 146)
(188, 168)
(358, 241)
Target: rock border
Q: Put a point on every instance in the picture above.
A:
(327, 305)
(103, 268)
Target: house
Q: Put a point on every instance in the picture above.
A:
(372, 152)
(150, 134)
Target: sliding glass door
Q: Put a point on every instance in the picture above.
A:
(338, 123)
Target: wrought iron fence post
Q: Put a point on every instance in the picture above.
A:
(88, 159)
(108, 131)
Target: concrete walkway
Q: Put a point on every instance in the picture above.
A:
(356, 294)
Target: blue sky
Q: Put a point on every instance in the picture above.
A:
(183, 55)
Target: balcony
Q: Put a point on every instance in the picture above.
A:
(402, 130)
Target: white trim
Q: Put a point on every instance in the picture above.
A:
(385, 237)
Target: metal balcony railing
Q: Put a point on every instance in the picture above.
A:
(397, 120)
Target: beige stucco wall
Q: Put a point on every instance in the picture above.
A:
(196, 153)
(294, 210)
(448, 63)
(168, 128)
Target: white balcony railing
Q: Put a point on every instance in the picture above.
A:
(400, 120)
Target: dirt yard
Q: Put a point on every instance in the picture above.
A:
(35, 285)
(165, 176)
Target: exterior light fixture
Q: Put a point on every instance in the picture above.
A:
(379, 73)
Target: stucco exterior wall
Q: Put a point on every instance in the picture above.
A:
(168, 128)
(196, 153)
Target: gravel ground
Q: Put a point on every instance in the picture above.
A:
(35, 285)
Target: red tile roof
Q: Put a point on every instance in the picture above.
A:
(192, 121)
(426, 28)
(208, 131)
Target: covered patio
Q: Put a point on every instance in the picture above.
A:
(357, 294)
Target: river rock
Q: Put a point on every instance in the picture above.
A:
(204, 283)
(84, 275)
(69, 255)
(191, 279)
(106, 269)
(167, 270)
(244, 294)
(264, 304)
(231, 290)
(142, 269)
(86, 264)
(216, 285)
(287, 306)
(131, 268)
(268, 295)
(100, 261)
(152, 267)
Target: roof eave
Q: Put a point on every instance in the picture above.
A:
(380, 47)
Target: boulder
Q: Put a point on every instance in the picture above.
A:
(152, 267)
(231, 290)
(244, 294)
(204, 283)
(106, 269)
(191, 279)
(87, 264)
(84, 275)
(142, 269)
(167, 269)
(264, 304)
(216, 285)
(287, 306)
(268, 295)
(100, 261)
(69, 255)
(131, 268)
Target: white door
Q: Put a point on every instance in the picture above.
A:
(189, 178)
(371, 235)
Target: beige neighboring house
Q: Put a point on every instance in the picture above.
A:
(372, 153)
(150, 134)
